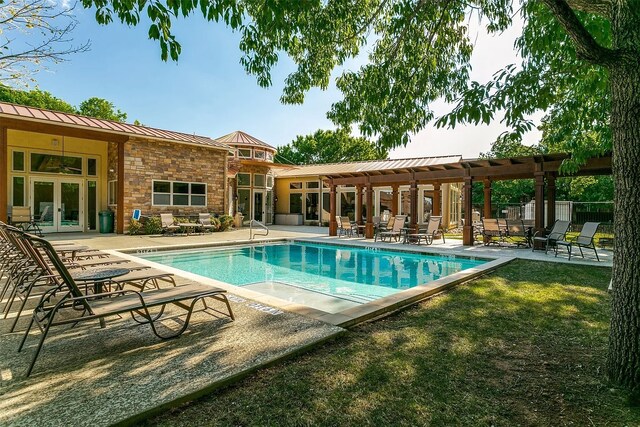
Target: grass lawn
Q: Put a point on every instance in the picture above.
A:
(525, 345)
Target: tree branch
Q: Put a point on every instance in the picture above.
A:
(597, 7)
(587, 48)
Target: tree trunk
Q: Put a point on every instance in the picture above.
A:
(624, 340)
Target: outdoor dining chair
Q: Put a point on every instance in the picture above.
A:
(586, 239)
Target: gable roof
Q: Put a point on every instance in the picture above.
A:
(109, 126)
(242, 138)
(365, 166)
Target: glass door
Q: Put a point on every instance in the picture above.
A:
(42, 203)
(269, 208)
(258, 205)
(58, 203)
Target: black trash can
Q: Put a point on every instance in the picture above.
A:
(106, 221)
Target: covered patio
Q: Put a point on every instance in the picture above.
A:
(543, 169)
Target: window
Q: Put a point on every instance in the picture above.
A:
(51, 163)
(18, 161)
(269, 156)
(295, 203)
(258, 155)
(232, 153)
(244, 179)
(269, 181)
(258, 180)
(174, 193)
(112, 193)
(18, 191)
(244, 153)
(311, 213)
(92, 167)
(295, 186)
(313, 184)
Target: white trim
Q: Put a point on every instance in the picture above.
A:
(171, 193)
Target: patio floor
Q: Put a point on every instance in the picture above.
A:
(93, 376)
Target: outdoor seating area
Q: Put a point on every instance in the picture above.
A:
(70, 291)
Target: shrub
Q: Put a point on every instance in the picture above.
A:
(134, 226)
(226, 221)
(153, 225)
(215, 222)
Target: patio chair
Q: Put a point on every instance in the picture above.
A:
(388, 226)
(398, 225)
(169, 225)
(586, 239)
(433, 230)
(344, 226)
(204, 220)
(517, 232)
(70, 300)
(21, 217)
(558, 232)
(491, 230)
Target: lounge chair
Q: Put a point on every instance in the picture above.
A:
(169, 225)
(398, 225)
(517, 232)
(586, 239)
(344, 226)
(433, 230)
(70, 300)
(204, 221)
(388, 226)
(21, 217)
(491, 230)
(558, 232)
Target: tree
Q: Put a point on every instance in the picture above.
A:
(47, 29)
(102, 109)
(327, 146)
(35, 98)
(580, 64)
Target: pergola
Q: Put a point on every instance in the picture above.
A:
(541, 168)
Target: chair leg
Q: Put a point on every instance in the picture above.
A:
(594, 250)
(37, 353)
(570, 249)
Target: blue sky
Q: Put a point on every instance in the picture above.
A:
(208, 93)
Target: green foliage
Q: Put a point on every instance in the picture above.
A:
(226, 222)
(92, 107)
(153, 225)
(102, 109)
(35, 98)
(135, 227)
(328, 146)
(215, 222)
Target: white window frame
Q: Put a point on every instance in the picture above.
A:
(268, 156)
(24, 161)
(171, 193)
(97, 167)
(240, 156)
(112, 193)
(244, 185)
(24, 189)
(264, 181)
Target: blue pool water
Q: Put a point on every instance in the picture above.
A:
(328, 277)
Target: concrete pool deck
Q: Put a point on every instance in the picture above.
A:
(92, 376)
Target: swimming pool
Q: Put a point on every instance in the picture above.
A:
(330, 278)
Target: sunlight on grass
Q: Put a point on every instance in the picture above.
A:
(524, 345)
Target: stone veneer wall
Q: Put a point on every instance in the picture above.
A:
(154, 160)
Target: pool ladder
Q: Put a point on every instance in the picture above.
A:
(260, 225)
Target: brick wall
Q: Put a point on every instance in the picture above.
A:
(146, 161)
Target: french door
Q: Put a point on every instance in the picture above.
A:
(258, 205)
(58, 203)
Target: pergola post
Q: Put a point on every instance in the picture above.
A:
(437, 197)
(487, 198)
(467, 196)
(358, 217)
(413, 211)
(120, 184)
(368, 231)
(539, 197)
(333, 225)
(551, 199)
(4, 174)
(394, 200)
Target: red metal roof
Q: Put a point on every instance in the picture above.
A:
(241, 138)
(74, 120)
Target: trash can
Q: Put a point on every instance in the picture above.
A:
(237, 220)
(106, 221)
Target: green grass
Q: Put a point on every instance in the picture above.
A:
(525, 345)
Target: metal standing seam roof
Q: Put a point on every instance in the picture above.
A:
(367, 166)
(77, 121)
(241, 138)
